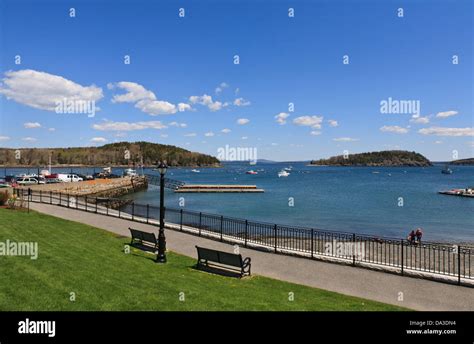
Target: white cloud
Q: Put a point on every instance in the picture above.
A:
(4, 138)
(241, 102)
(51, 129)
(274, 144)
(333, 123)
(98, 139)
(134, 92)
(176, 124)
(446, 114)
(206, 100)
(31, 125)
(419, 119)
(156, 107)
(44, 91)
(309, 121)
(209, 134)
(281, 118)
(221, 87)
(345, 139)
(438, 142)
(144, 99)
(29, 139)
(242, 121)
(127, 126)
(393, 129)
(315, 133)
(164, 136)
(440, 131)
(190, 135)
(244, 137)
(216, 106)
(184, 107)
(226, 130)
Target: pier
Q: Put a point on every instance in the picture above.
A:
(217, 188)
(182, 187)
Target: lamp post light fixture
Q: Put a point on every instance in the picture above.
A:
(161, 258)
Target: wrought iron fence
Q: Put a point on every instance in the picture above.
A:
(397, 254)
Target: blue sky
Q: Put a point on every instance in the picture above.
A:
(283, 60)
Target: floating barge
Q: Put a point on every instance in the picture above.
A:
(217, 188)
(469, 192)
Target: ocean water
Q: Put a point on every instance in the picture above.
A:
(350, 199)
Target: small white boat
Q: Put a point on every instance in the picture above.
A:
(283, 173)
(130, 172)
(252, 163)
(288, 169)
(195, 171)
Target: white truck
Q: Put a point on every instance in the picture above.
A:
(68, 178)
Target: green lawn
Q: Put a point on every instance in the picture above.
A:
(91, 263)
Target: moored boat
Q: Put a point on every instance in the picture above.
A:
(129, 172)
(446, 170)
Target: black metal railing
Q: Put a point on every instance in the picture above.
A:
(453, 261)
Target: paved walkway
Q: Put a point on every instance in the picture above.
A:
(418, 294)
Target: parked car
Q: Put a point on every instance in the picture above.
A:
(67, 178)
(85, 176)
(27, 181)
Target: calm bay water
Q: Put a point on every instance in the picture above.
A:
(338, 198)
(334, 198)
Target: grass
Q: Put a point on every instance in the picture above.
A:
(91, 263)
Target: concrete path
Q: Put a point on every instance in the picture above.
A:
(418, 294)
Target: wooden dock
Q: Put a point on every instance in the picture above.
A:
(217, 188)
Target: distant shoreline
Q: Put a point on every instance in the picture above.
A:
(102, 166)
(374, 166)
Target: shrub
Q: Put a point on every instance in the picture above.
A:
(3, 197)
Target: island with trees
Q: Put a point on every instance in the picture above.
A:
(467, 162)
(383, 158)
(113, 154)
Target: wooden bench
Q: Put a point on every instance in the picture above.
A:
(206, 255)
(143, 240)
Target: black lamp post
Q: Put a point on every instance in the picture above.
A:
(161, 258)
